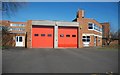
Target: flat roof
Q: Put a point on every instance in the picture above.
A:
(53, 23)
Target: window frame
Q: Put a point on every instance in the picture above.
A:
(20, 39)
(85, 38)
(91, 26)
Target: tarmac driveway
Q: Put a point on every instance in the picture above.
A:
(84, 60)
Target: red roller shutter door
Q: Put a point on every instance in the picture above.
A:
(42, 37)
(68, 37)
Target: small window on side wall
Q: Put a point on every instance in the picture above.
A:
(35, 34)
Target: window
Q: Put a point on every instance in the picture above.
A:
(61, 35)
(0, 28)
(20, 39)
(35, 34)
(42, 34)
(17, 24)
(17, 29)
(88, 36)
(49, 35)
(17, 39)
(86, 39)
(95, 27)
(84, 36)
(90, 25)
(100, 29)
(73, 35)
(67, 35)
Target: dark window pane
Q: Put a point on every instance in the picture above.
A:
(49, 35)
(88, 36)
(67, 35)
(73, 35)
(90, 26)
(84, 40)
(84, 36)
(35, 34)
(88, 40)
(42, 34)
(61, 35)
(17, 39)
(20, 39)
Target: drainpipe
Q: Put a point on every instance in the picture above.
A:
(56, 35)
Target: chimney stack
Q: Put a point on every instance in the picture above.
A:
(80, 14)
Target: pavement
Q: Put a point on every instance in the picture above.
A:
(83, 60)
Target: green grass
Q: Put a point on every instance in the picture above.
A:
(3, 47)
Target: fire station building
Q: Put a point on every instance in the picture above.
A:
(81, 32)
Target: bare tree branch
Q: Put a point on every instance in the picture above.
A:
(10, 8)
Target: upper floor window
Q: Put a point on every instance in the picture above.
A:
(0, 28)
(17, 24)
(95, 27)
(100, 29)
(90, 25)
(17, 29)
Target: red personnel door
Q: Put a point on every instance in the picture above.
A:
(42, 37)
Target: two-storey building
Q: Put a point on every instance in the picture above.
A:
(90, 30)
(81, 32)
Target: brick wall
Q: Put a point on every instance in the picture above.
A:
(84, 29)
(106, 31)
(28, 34)
(8, 37)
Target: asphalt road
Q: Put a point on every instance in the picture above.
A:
(84, 60)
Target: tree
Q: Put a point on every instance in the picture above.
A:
(111, 37)
(10, 8)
